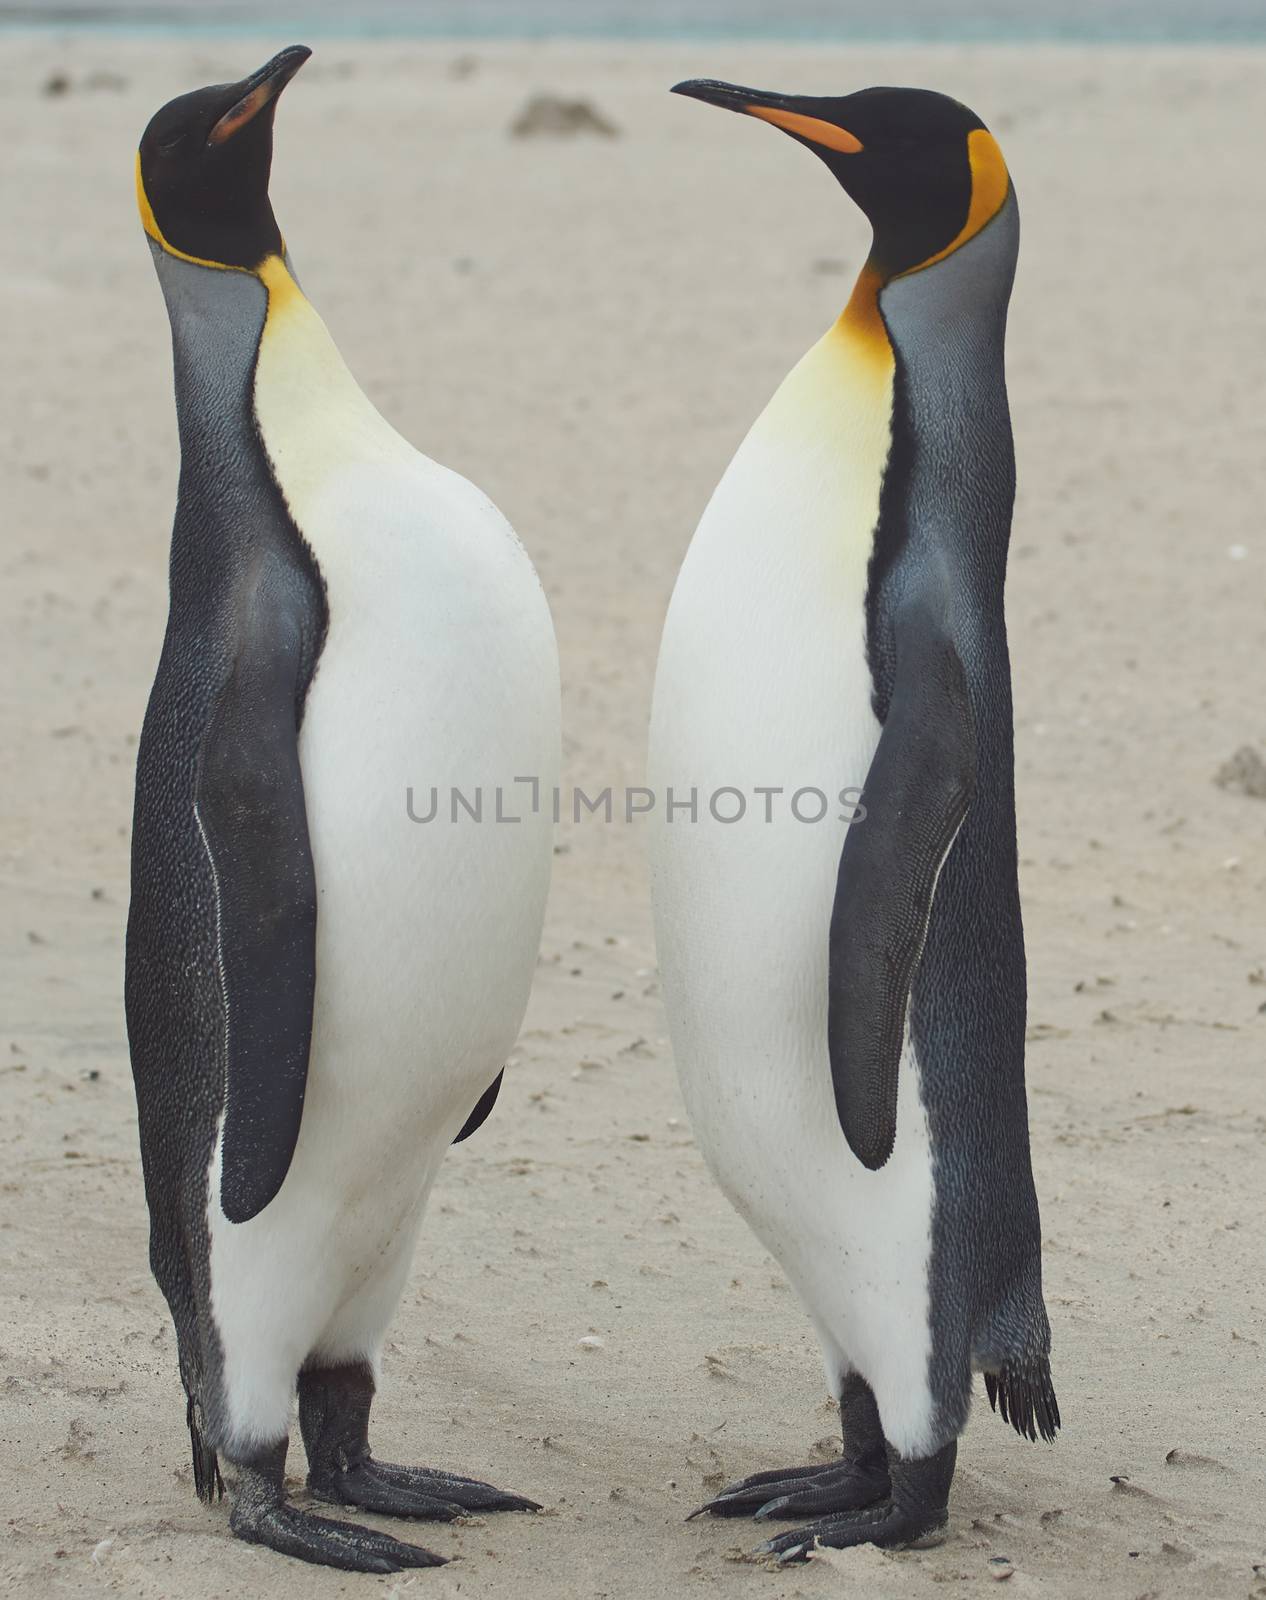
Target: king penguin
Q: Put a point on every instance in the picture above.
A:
(320, 993)
(846, 993)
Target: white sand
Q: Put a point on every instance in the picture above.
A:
(587, 328)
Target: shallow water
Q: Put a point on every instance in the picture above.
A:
(1225, 21)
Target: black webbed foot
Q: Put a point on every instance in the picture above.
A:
(261, 1515)
(334, 1406)
(412, 1492)
(917, 1506)
(859, 1478)
(801, 1491)
(882, 1525)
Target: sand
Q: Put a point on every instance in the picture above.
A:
(586, 326)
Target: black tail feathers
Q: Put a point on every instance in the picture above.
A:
(206, 1466)
(1026, 1398)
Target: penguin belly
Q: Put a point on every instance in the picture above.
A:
(763, 682)
(439, 670)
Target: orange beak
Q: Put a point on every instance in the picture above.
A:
(779, 109)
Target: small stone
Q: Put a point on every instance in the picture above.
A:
(1244, 773)
(553, 117)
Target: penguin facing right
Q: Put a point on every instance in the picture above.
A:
(846, 993)
(321, 994)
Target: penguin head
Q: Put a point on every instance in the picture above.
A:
(923, 168)
(203, 164)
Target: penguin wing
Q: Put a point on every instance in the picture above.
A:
(916, 795)
(250, 808)
(483, 1108)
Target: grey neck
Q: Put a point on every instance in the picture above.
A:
(217, 316)
(958, 308)
(952, 424)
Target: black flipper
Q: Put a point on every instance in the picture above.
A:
(917, 792)
(207, 1483)
(251, 811)
(1025, 1396)
(483, 1108)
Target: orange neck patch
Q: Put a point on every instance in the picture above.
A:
(990, 185)
(283, 291)
(861, 320)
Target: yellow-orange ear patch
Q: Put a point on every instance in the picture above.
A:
(812, 128)
(150, 223)
(143, 206)
(990, 183)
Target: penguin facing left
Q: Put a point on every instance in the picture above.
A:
(847, 1003)
(320, 993)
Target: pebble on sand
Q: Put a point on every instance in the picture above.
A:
(553, 117)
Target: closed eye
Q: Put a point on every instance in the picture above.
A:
(166, 146)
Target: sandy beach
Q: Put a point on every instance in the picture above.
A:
(586, 325)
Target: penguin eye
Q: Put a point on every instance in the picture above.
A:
(166, 146)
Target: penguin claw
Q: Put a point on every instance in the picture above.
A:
(771, 1508)
(799, 1492)
(327, 1543)
(418, 1492)
(468, 1494)
(367, 1493)
(780, 1475)
(798, 1553)
(886, 1524)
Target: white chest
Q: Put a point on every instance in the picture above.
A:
(438, 671)
(762, 674)
(763, 686)
(439, 645)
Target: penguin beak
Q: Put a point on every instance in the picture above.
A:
(258, 91)
(783, 110)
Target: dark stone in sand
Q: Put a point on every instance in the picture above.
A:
(1244, 773)
(551, 117)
